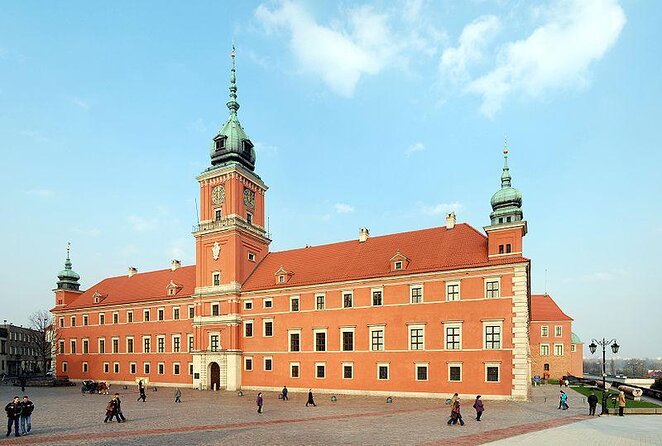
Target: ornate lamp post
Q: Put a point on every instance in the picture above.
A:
(614, 348)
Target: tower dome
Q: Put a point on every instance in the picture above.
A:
(507, 201)
(68, 278)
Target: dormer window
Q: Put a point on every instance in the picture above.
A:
(283, 275)
(397, 265)
(220, 143)
(399, 262)
(247, 146)
(173, 288)
(281, 278)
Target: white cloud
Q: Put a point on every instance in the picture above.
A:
(90, 232)
(141, 224)
(606, 276)
(35, 135)
(473, 42)
(440, 209)
(261, 147)
(41, 193)
(418, 147)
(81, 103)
(198, 126)
(343, 208)
(557, 54)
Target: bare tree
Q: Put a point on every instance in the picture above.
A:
(42, 322)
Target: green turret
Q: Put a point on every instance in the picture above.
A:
(68, 278)
(232, 145)
(507, 201)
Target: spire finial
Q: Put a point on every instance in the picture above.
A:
(505, 175)
(68, 249)
(232, 104)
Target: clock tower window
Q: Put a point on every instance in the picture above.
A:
(216, 278)
(218, 214)
(249, 218)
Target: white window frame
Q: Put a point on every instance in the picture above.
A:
(298, 299)
(246, 323)
(248, 304)
(133, 366)
(373, 328)
(190, 368)
(160, 368)
(372, 301)
(455, 364)
(147, 368)
(129, 312)
(85, 367)
(151, 345)
(573, 348)
(544, 331)
(298, 366)
(342, 296)
(411, 327)
(558, 331)
(542, 353)
(264, 363)
(188, 308)
(72, 321)
(459, 290)
(65, 367)
(267, 299)
(189, 344)
(388, 371)
(320, 364)
(159, 337)
(562, 348)
(116, 316)
(217, 334)
(452, 325)
(289, 339)
(493, 364)
(126, 344)
(172, 345)
(342, 370)
(493, 323)
(86, 320)
(106, 367)
(149, 316)
(214, 276)
(264, 328)
(397, 265)
(427, 372)
(491, 279)
(411, 293)
(112, 344)
(323, 296)
(174, 366)
(246, 360)
(99, 345)
(326, 339)
(116, 367)
(347, 330)
(86, 342)
(160, 312)
(251, 256)
(102, 319)
(173, 313)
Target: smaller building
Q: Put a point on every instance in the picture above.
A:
(555, 350)
(19, 352)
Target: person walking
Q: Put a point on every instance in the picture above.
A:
(621, 403)
(478, 405)
(111, 411)
(284, 393)
(141, 390)
(27, 407)
(592, 403)
(22, 384)
(13, 410)
(178, 395)
(259, 401)
(120, 415)
(563, 401)
(456, 415)
(311, 400)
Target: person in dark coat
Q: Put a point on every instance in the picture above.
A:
(13, 410)
(592, 403)
(178, 395)
(22, 384)
(120, 415)
(27, 407)
(141, 389)
(111, 411)
(259, 401)
(478, 405)
(455, 413)
(284, 393)
(310, 398)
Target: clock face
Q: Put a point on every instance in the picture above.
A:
(218, 194)
(249, 198)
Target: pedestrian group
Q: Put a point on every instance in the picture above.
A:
(19, 412)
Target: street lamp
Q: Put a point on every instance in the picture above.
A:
(593, 346)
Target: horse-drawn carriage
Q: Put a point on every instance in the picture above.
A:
(95, 387)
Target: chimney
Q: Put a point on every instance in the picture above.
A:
(450, 220)
(364, 233)
(133, 271)
(175, 264)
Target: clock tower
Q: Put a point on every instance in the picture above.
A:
(230, 241)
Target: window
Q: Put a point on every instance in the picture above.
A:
(453, 334)
(102, 319)
(161, 368)
(376, 339)
(492, 373)
(294, 369)
(85, 319)
(190, 343)
(248, 329)
(160, 344)
(86, 346)
(116, 367)
(129, 316)
(546, 367)
(191, 312)
(508, 248)
(493, 337)
(132, 368)
(106, 367)
(347, 370)
(382, 371)
(61, 322)
(213, 342)
(147, 344)
(115, 345)
(294, 303)
(453, 291)
(218, 214)
(397, 265)
(176, 344)
(73, 321)
(215, 309)
(320, 340)
(347, 339)
(85, 367)
(421, 372)
(544, 331)
(573, 348)
(377, 297)
(73, 346)
(248, 305)
(455, 372)
(146, 368)
(558, 349)
(320, 370)
(146, 315)
(251, 256)
(248, 364)
(500, 249)
(491, 288)
(347, 299)
(175, 313)
(268, 328)
(190, 368)
(295, 341)
(319, 301)
(216, 278)
(65, 367)
(116, 318)
(102, 345)
(416, 294)
(558, 330)
(160, 314)
(544, 349)
(416, 337)
(267, 303)
(268, 364)
(249, 218)
(281, 278)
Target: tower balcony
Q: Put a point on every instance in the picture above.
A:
(227, 223)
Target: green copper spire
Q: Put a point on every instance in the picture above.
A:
(68, 278)
(232, 145)
(507, 201)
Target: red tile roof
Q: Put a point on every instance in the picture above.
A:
(142, 287)
(434, 249)
(543, 308)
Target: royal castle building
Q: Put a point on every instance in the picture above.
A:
(420, 313)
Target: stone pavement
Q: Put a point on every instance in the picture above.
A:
(63, 416)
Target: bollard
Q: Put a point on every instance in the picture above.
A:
(389, 399)
(334, 399)
(240, 393)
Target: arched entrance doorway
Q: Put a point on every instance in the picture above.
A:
(214, 376)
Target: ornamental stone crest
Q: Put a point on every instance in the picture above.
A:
(218, 194)
(249, 198)
(216, 250)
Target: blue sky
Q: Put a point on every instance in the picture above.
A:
(377, 114)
